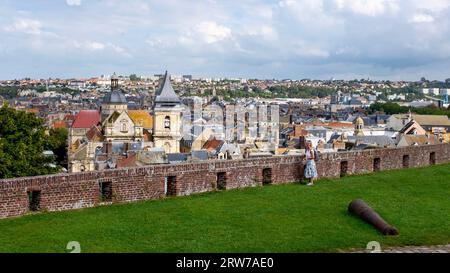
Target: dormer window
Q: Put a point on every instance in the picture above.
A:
(167, 122)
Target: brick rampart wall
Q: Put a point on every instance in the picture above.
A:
(81, 190)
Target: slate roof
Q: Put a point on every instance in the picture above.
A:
(200, 155)
(166, 94)
(115, 97)
(380, 141)
(186, 143)
(114, 116)
(428, 120)
(177, 158)
(334, 137)
(432, 120)
(86, 119)
(407, 127)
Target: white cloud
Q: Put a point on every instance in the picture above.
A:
(27, 26)
(306, 37)
(303, 49)
(348, 51)
(264, 12)
(95, 46)
(286, 3)
(89, 45)
(211, 32)
(368, 7)
(264, 31)
(422, 18)
(431, 5)
(73, 2)
(120, 50)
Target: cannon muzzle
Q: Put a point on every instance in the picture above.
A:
(365, 212)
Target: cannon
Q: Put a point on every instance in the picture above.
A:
(365, 212)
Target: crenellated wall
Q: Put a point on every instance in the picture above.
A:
(81, 190)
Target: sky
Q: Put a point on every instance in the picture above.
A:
(296, 39)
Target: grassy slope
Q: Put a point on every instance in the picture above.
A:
(286, 218)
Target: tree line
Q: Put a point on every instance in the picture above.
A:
(22, 144)
(391, 108)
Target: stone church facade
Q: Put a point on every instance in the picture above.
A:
(102, 139)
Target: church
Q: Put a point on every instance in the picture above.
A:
(109, 137)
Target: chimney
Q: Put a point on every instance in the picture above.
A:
(108, 147)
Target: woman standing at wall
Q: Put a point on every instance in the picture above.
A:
(311, 156)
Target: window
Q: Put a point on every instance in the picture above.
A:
(124, 126)
(432, 158)
(105, 191)
(34, 200)
(221, 181)
(171, 185)
(167, 122)
(344, 168)
(246, 124)
(167, 147)
(405, 161)
(376, 164)
(267, 176)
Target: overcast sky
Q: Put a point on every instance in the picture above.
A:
(322, 39)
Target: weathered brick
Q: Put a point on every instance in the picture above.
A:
(81, 190)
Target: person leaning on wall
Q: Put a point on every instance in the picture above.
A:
(311, 156)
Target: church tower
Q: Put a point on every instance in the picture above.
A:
(114, 100)
(359, 124)
(167, 117)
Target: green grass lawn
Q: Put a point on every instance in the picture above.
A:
(284, 218)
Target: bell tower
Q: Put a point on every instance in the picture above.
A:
(167, 117)
(114, 82)
(114, 101)
(359, 124)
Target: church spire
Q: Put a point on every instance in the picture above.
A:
(166, 94)
(409, 115)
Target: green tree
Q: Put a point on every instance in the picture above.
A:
(133, 77)
(57, 142)
(393, 108)
(22, 141)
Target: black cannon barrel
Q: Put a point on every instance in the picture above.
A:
(365, 212)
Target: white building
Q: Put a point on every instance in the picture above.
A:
(430, 91)
(443, 92)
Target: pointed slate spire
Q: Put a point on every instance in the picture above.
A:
(166, 93)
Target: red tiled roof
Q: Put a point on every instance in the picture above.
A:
(32, 110)
(86, 119)
(340, 124)
(94, 134)
(212, 144)
(300, 131)
(59, 124)
(130, 161)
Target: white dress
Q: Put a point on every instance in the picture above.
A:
(310, 168)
